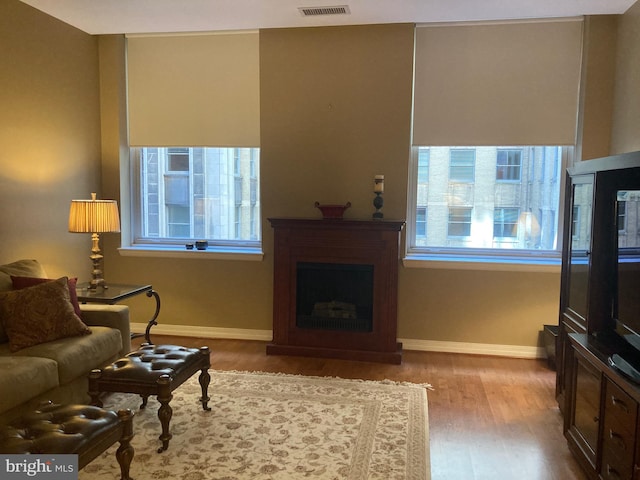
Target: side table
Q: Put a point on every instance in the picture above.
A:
(116, 292)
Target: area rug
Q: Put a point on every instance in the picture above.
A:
(274, 426)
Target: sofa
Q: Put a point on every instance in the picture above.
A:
(48, 342)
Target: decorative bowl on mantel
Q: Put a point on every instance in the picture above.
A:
(332, 211)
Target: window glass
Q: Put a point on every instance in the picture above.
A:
(575, 221)
(486, 199)
(622, 216)
(462, 165)
(423, 165)
(178, 159)
(459, 222)
(421, 222)
(197, 193)
(508, 164)
(505, 222)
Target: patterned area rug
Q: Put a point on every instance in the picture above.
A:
(274, 426)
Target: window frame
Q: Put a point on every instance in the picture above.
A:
(481, 258)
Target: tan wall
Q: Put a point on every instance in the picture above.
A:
(598, 81)
(626, 113)
(335, 105)
(335, 111)
(474, 306)
(50, 137)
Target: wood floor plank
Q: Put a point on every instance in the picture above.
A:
(489, 417)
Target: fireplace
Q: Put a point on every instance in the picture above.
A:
(335, 289)
(334, 296)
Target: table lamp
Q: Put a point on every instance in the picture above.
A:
(94, 217)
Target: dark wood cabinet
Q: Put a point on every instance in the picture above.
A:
(601, 418)
(600, 402)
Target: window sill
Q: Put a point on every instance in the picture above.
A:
(211, 253)
(487, 263)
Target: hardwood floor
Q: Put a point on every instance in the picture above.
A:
(489, 417)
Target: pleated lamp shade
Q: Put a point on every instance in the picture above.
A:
(94, 216)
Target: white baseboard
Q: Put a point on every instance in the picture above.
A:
(205, 332)
(514, 351)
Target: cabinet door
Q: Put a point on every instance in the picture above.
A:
(575, 271)
(579, 242)
(584, 410)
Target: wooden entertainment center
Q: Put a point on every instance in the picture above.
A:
(335, 289)
(600, 402)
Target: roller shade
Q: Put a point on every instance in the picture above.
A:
(193, 90)
(497, 84)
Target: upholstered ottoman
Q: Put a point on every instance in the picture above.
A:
(154, 370)
(84, 430)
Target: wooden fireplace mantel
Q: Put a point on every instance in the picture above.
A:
(353, 242)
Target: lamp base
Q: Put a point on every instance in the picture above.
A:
(94, 284)
(96, 259)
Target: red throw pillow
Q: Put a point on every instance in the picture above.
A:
(23, 282)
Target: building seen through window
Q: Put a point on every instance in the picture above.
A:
(487, 197)
(194, 193)
(628, 220)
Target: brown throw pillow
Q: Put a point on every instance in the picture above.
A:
(39, 314)
(23, 282)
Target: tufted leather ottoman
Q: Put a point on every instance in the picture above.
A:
(154, 370)
(84, 430)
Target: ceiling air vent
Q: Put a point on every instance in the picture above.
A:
(314, 11)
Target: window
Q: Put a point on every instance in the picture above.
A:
(575, 222)
(423, 165)
(484, 201)
(505, 222)
(181, 191)
(462, 165)
(628, 221)
(508, 165)
(622, 216)
(178, 159)
(459, 224)
(487, 156)
(421, 222)
(197, 193)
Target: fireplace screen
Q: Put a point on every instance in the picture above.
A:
(334, 296)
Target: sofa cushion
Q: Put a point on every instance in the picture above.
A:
(26, 268)
(20, 268)
(77, 356)
(39, 314)
(23, 282)
(23, 378)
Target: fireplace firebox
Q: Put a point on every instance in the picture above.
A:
(334, 296)
(335, 289)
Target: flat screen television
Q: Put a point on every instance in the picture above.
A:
(626, 311)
